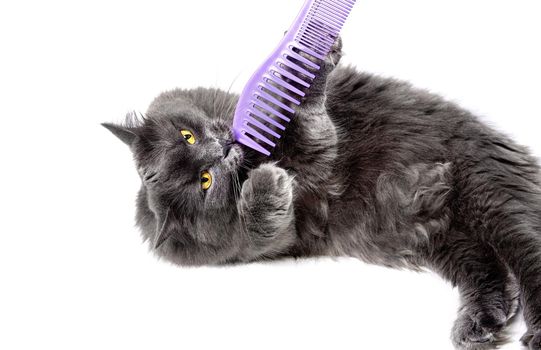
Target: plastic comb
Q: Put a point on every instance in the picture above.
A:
(270, 97)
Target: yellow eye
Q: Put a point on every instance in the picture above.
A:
(206, 180)
(188, 136)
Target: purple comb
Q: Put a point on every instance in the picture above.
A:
(277, 87)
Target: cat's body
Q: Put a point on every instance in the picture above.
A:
(369, 167)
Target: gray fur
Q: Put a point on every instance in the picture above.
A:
(369, 167)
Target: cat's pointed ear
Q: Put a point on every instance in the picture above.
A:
(125, 134)
(162, 229)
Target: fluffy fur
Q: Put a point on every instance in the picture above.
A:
(369, 167)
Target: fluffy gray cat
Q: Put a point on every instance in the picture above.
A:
(368, 167)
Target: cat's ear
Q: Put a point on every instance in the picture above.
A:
(124, 133)
(162, 229)
(127, 132)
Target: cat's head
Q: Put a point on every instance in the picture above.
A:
(191, 172)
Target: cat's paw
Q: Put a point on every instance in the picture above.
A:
(266, 211)
(316, 93)
(267, 199)
(335, 54)
(268, 181)
(532, 340)
(481, 330)
(331, 60)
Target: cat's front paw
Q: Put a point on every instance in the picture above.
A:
(335, 54)
(266, 207)
(267, 194)
(269, 179)
(316, 93)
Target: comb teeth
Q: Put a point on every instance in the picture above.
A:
(270, 97)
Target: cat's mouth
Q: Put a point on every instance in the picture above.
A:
(227, 150)
(234, 156)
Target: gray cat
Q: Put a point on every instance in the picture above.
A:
(368, 167)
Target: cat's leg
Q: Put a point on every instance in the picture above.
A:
(317, 92)
(266, 212)
(481, 324)
(522, 250)
(489, 295)
(309, 151)
(520, 245)
(499, 195)
(513, 231)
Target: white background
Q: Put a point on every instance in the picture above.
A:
(73, 271)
